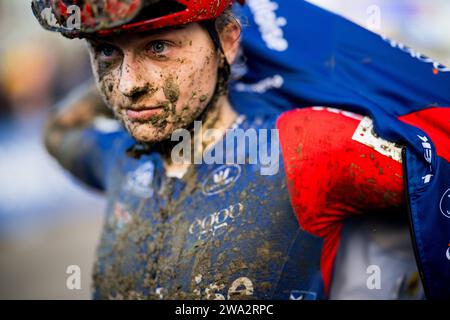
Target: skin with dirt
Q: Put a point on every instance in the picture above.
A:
(173, 70)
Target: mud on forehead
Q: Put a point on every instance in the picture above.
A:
(184, 31)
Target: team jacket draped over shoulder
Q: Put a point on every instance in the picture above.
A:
(300, 55)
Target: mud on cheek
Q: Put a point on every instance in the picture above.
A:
(107, 85)
(103, 76)
(171, 92)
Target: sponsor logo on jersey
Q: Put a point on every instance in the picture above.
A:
(139, 181)
(270, 25)
(221, 179)
(437, 67)
(262, 86)
(444, 204)
(216, 221)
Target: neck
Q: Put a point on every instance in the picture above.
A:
(219, 117)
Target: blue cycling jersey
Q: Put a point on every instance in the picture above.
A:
(221, 231)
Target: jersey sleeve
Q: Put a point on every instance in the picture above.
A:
(88, 154)
(331, 176)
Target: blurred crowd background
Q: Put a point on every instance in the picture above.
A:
(47, 220)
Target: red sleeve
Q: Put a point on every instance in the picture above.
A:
(331, 177)
(436, 123)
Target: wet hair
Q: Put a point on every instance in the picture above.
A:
(225, 19)
(215, 28)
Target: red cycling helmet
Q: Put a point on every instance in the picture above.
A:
(80, 18)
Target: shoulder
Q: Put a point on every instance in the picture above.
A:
(317, 113)
(252, 121)
(107, 135)
(314, 126)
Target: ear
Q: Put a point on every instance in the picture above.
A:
(229, 38)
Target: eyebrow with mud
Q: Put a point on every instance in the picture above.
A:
(112, 40)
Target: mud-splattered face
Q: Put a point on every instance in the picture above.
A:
(156, 83)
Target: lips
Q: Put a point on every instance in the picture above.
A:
(142, 113)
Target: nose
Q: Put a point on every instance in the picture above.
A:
(133, 83)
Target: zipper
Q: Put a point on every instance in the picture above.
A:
(411, 225)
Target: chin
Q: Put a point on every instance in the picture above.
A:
(144, 132)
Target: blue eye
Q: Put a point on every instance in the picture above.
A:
(108, 51)
(158, 47)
